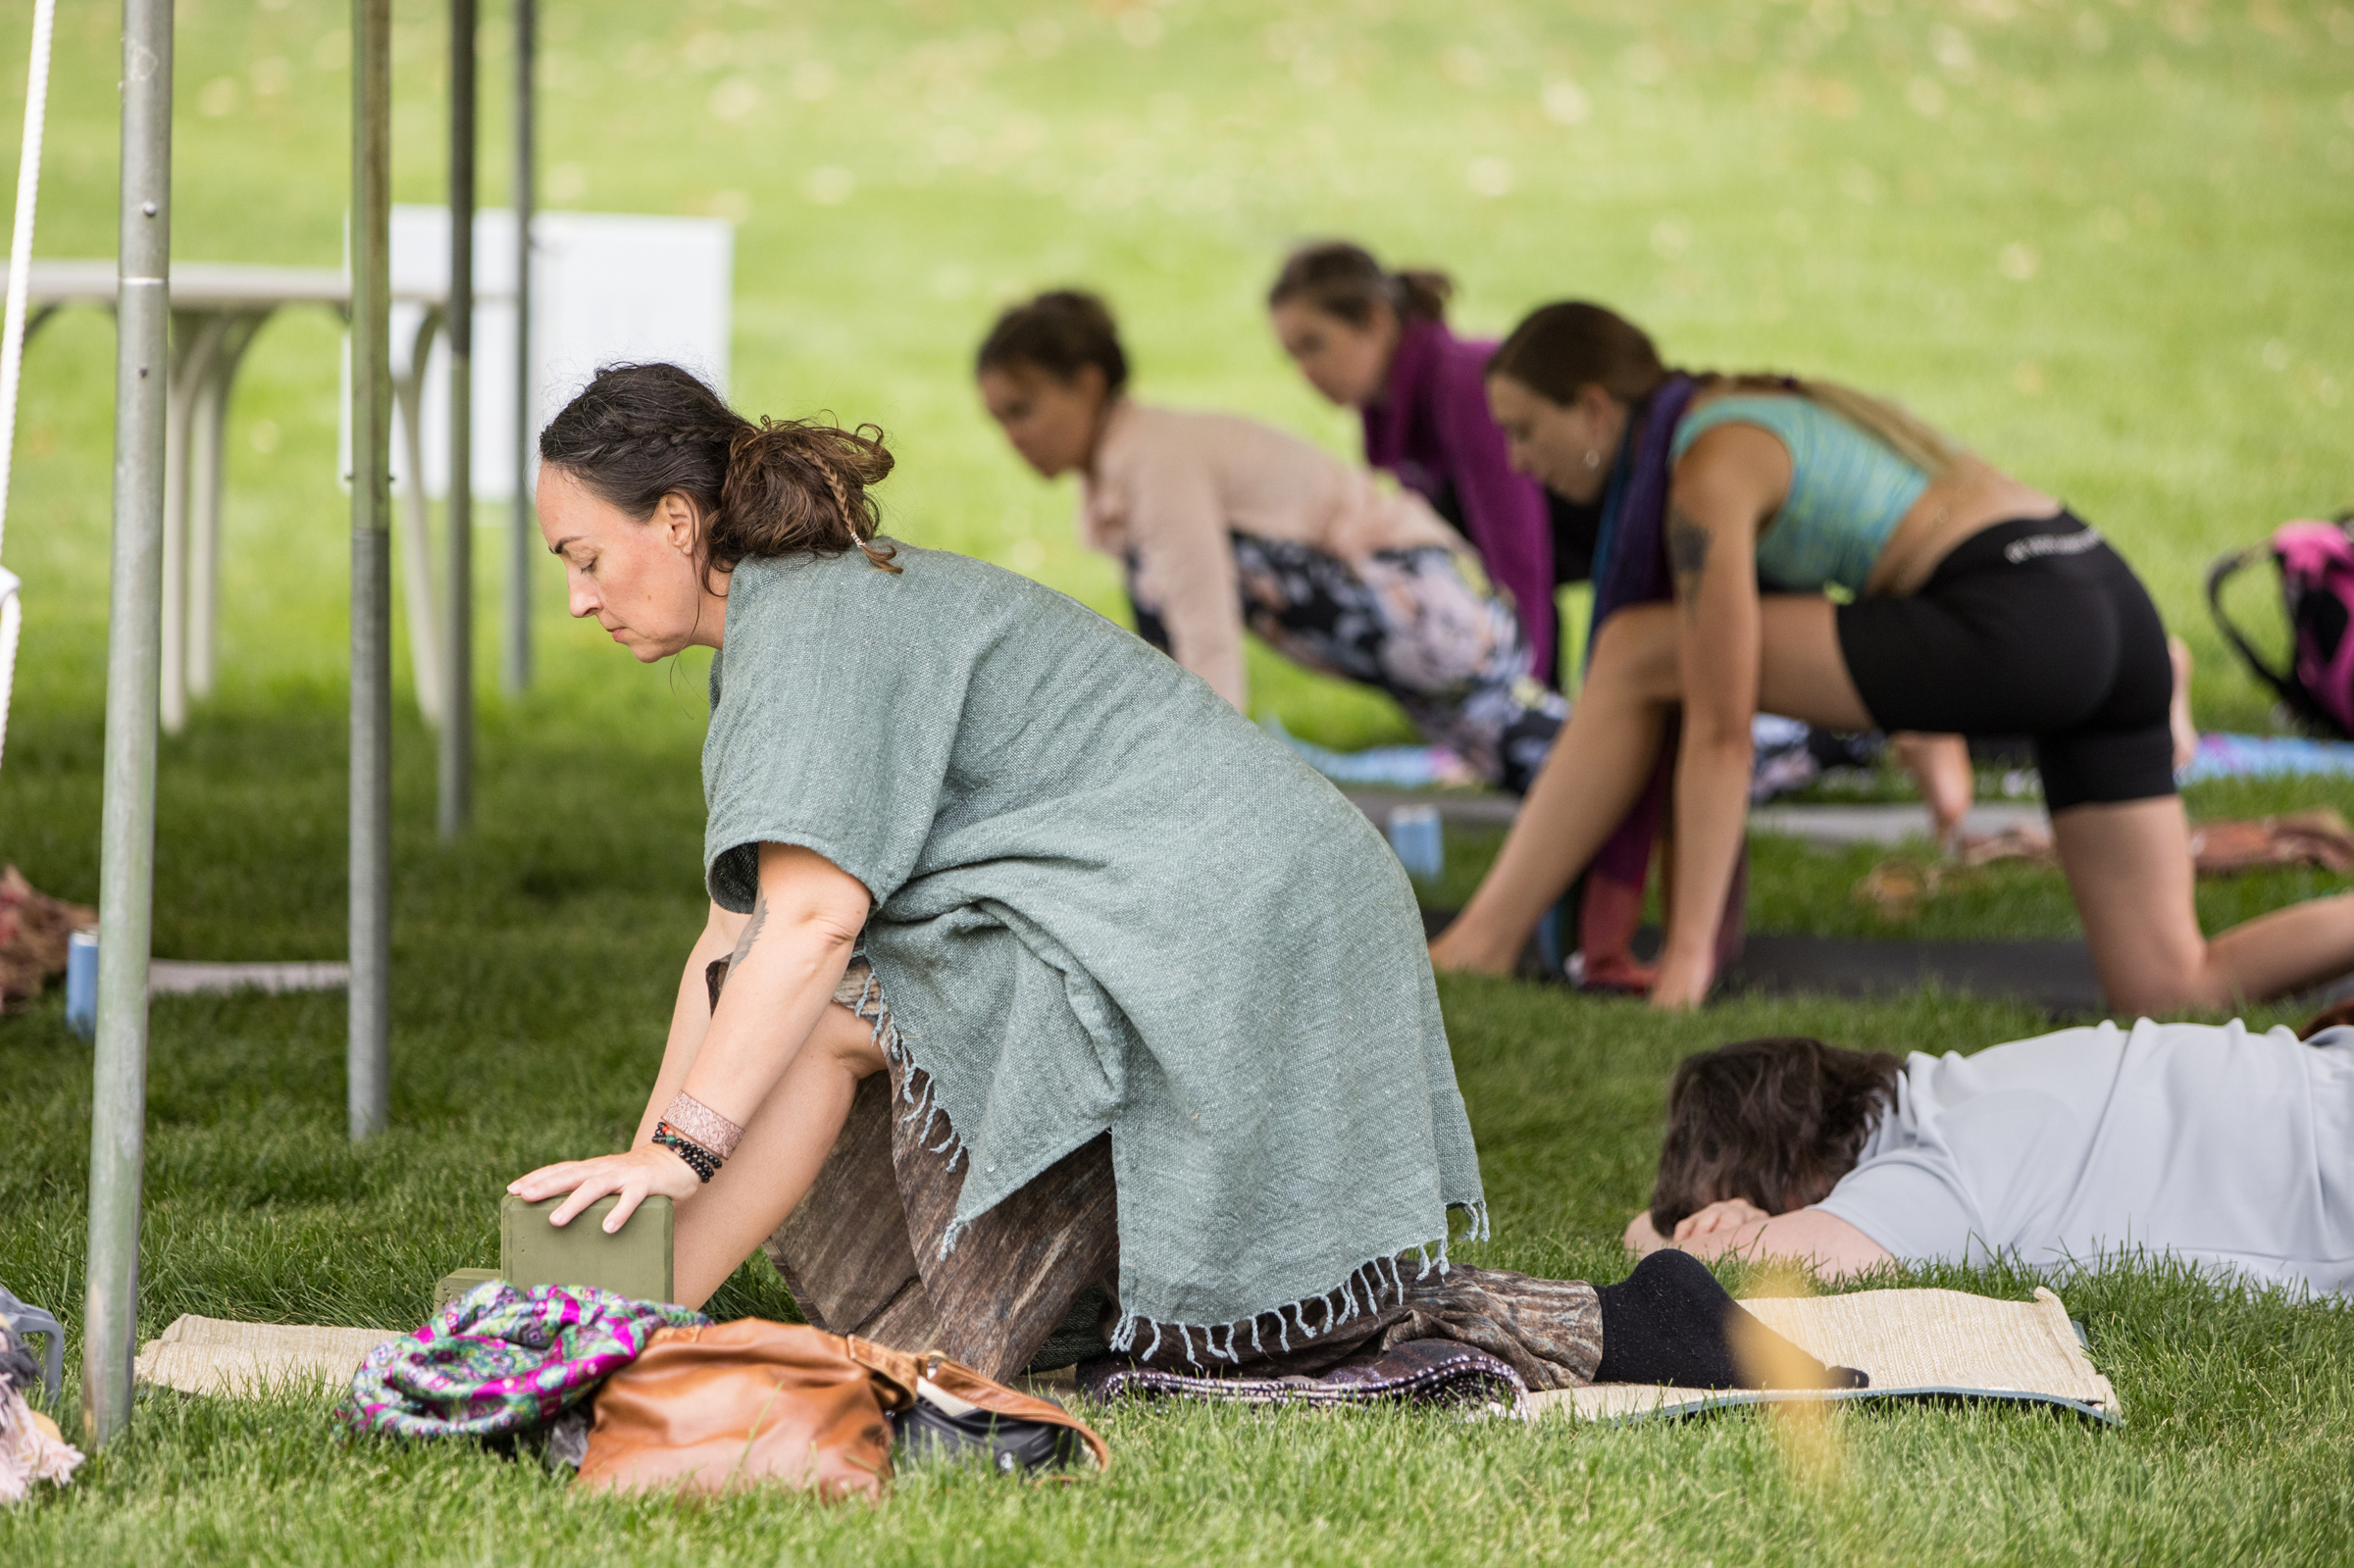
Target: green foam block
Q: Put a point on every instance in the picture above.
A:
(635, 1261)
(457, 1281)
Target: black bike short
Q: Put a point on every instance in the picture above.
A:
(2034, 628)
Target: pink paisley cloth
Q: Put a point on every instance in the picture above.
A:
(502, 1358)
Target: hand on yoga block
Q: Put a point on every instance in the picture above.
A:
(633, 1262)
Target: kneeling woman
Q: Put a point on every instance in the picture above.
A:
(1980, 606)
(1222, 522)
(1010, 987)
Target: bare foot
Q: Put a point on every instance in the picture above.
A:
(2177, 712)
(1940, 766)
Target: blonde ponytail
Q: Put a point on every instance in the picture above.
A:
(1891, 423)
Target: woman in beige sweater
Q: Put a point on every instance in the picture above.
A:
(1223, 523)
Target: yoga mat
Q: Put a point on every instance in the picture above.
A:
(1915, 1344)
(247, 1360)
(2223, 755)
(1830, 826)
(2055, 975)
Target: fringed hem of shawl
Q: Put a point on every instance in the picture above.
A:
(1362, 1291)
(871, 1007)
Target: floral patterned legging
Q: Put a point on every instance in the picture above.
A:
(1420, 624)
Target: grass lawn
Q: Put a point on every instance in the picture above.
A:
(2104, 242)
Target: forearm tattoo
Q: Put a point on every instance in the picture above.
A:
(1687, 557)
(752, 931)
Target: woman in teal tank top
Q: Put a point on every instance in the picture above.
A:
(1847, 491)
(1834, 559)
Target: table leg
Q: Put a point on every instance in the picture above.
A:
(208, 440)
(195, 336)
(416, 540)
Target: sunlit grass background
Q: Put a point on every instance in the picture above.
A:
(2104, 243)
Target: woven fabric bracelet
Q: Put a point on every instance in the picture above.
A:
(704, 1125)
(699, 1159)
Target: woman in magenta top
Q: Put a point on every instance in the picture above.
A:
(1378, 342)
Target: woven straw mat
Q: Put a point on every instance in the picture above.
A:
(1910, 1341)
(245, 1361)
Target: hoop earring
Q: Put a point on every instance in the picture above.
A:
(1593, 457)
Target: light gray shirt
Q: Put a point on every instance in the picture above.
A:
(2230, 1149)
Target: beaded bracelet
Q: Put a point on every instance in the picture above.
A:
(699, 1159)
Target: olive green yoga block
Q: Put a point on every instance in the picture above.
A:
(457, 1281)
(633, 1262)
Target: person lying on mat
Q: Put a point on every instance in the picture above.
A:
(1974, 604)
(1221, 521)
(1010, 972)
(2230, 1149)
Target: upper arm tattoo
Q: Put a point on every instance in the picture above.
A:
(752, 929)
(1687, 557)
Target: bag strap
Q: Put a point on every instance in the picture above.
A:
(896, 1370)
(2225, 569)
(905, 1373)
(963, 1381)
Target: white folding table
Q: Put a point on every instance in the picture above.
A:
(217, 308)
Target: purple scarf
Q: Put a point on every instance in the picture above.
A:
(1630, 567)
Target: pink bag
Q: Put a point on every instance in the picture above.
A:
(2316, 561)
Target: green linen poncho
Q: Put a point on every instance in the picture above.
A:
(1103, 899)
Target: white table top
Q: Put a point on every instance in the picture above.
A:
(209, 285)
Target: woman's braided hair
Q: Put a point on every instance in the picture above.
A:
(781, 487)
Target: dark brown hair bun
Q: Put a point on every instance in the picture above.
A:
(1062, 332)
(781, 487)
(1344, 280)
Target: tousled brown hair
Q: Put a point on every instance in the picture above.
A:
(1776, 1121)
(1560, 348)
(2327, 1018)
(1344, 280)
(1062, 332)
(780, 488)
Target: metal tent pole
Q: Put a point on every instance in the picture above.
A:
(367, 1065)
(134, 652)
(457, 664)
(523, 536)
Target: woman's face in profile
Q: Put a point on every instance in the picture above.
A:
(1049, 421)
(639, 579)
(1552, 443)
(1349, 363)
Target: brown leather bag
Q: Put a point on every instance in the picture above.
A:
(736, 1405)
